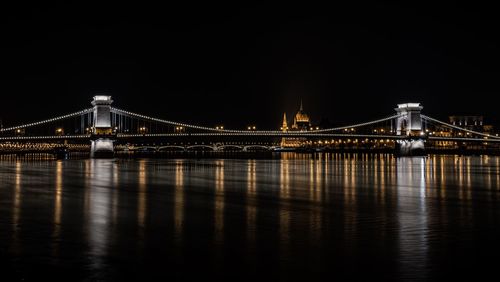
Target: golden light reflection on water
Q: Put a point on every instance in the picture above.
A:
(316, 185)
(382, 185)
(284, 207)
(284, 211)
(284, 191)
(17, 195)
(300, 189)
(349, 177)
(16, 208)
(179, 199)
(141, 194)
(318, 171)
(488, 175)
(468, 177)
(327, 176)
(219, 201)
(57, 198)
(349, 192)
(442, 178)
(251, 205)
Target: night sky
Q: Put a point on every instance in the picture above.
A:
(239, 65)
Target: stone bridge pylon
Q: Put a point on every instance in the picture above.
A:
(102, 137)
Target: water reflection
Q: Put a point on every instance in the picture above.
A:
(284, 212)
(412, 219)
(141, 196)
(300, 213)
(251, 205)
(219, 201)
(58, 205)
(349, 177)
(115, 191)
(179, 199)
(58, 195)
(16, 208)
(99, 210)
(317, 171)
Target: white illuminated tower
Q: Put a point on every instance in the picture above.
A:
(409, 122)
(102, 132)
(102, 116)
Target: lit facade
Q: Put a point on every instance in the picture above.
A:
(301, 122)
(474, 123)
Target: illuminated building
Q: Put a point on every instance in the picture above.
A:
(468, 122)
(474, 123)
(284, 126)
(301, 120)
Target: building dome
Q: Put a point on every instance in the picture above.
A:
(301, 120)
(300, 116)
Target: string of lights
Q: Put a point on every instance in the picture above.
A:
(457, 127)
(79, 113)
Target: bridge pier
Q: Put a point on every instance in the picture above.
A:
(409, 123)
(410, 147)
(101, 148)
(102, 132)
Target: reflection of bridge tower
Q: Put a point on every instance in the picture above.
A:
(410, 122)
(102, 132)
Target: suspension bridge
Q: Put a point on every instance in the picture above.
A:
(104, 130)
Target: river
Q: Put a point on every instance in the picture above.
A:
(290, 217)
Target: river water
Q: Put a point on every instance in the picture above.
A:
(290, 217)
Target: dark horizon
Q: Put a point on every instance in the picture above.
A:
(207, 66)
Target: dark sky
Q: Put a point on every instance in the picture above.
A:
(247, 64)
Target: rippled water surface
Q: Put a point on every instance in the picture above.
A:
(292, 217)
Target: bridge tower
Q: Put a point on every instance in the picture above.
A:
(102, 132)
(409, 123)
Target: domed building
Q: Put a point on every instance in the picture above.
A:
(301, 120)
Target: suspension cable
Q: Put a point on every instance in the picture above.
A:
(458, 128)
(123, 112)
(47, 120)
(359, 124)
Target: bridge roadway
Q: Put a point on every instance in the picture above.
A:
(279, 134)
